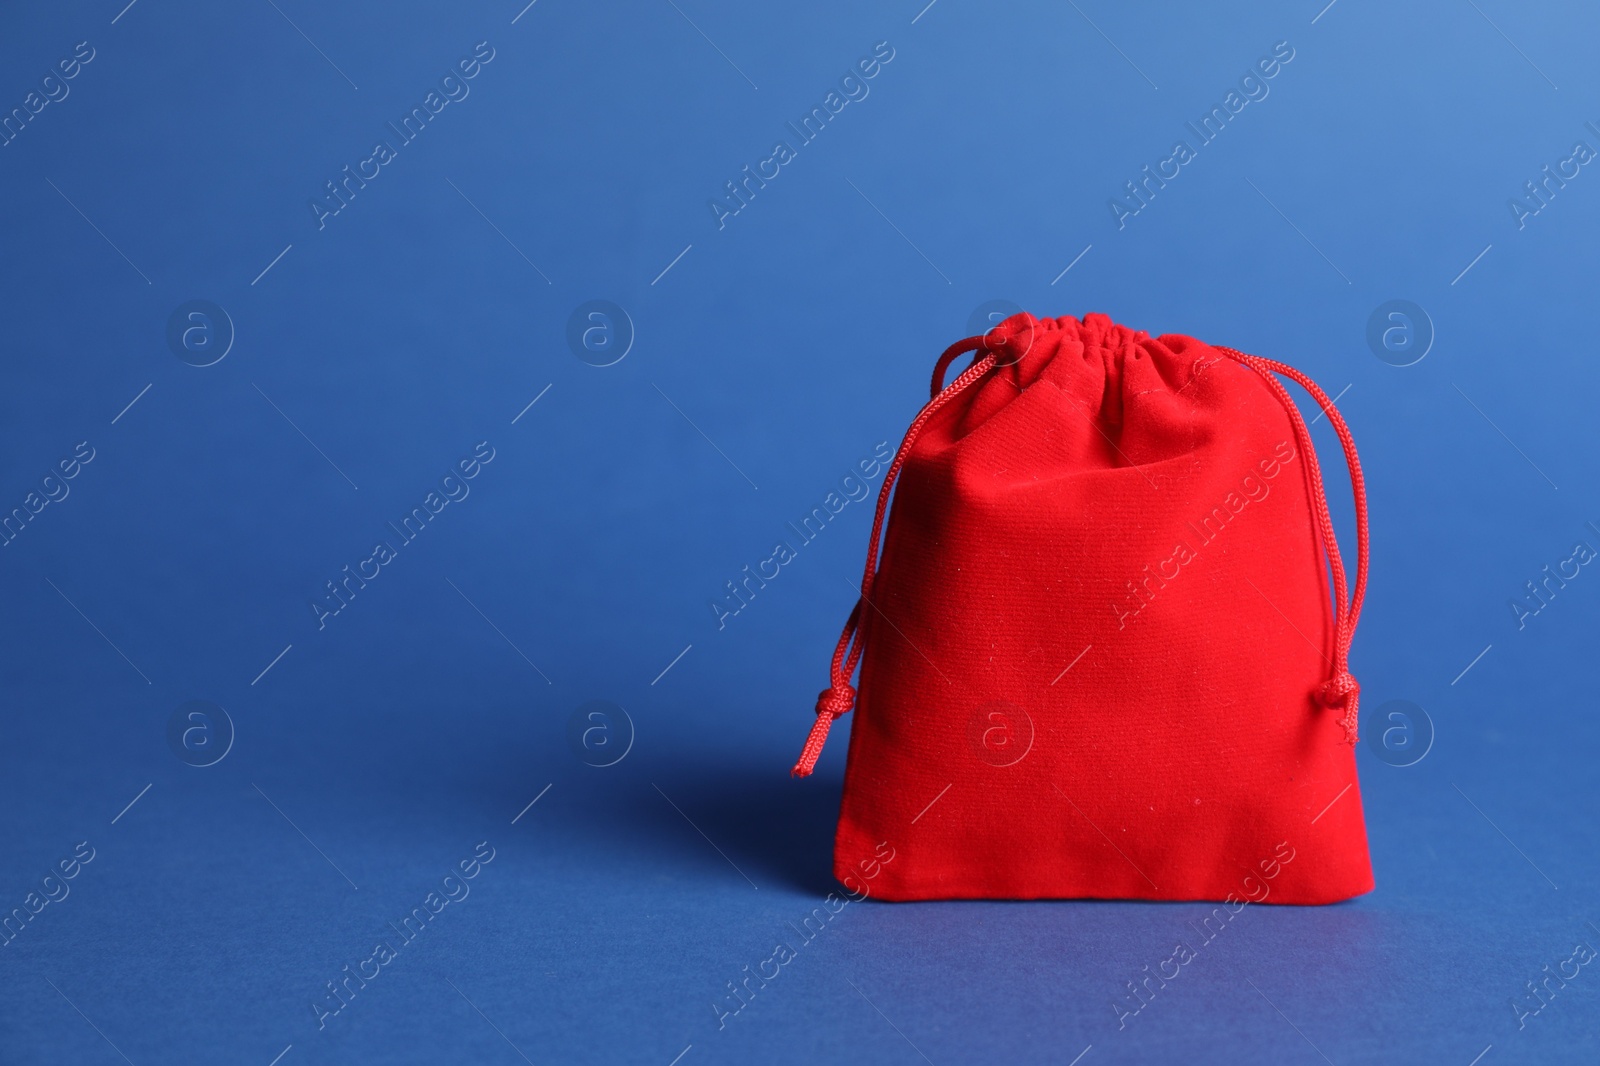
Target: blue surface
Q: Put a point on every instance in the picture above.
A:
(372, 355)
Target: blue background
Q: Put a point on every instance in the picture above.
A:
(768, 356)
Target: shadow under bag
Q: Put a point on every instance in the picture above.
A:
(1110, 634)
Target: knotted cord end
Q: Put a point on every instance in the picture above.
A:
(1342, 690)
(835, 701)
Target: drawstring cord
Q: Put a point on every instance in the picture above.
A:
(839, 698)
(1341, 690)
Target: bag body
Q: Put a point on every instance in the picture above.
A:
(1103, 661)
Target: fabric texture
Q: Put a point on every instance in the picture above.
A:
(1105, 651)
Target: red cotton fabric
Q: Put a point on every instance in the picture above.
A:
(1106, 651)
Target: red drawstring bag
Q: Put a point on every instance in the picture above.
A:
(1103, 661)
